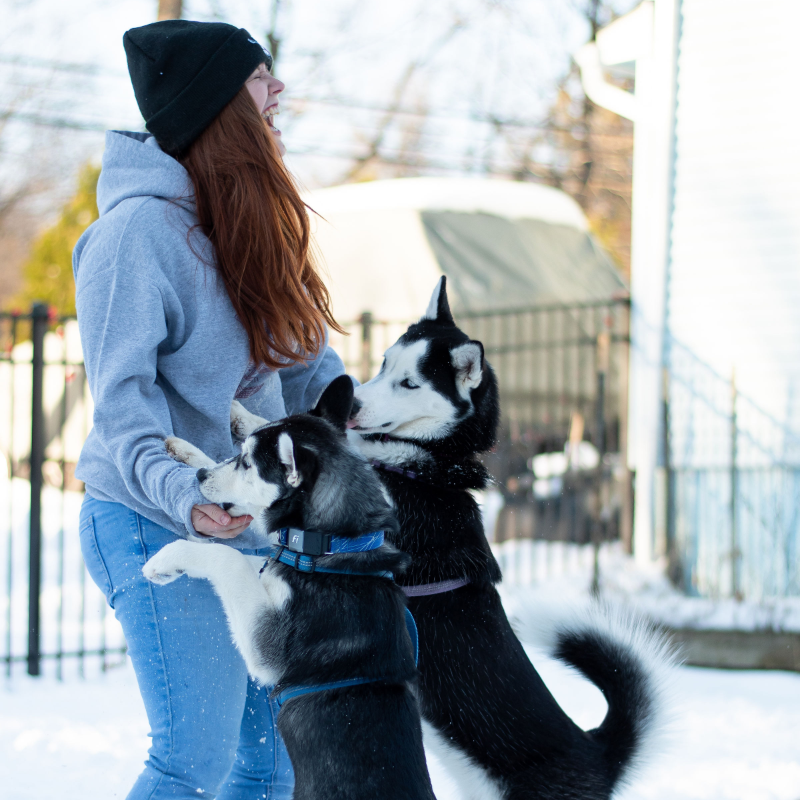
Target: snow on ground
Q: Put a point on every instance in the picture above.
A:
(737, 736)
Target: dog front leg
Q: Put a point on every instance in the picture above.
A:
(243, 423)
(244, 599)
(186, 453)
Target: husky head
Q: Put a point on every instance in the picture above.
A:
(300, 472)
(434, 385)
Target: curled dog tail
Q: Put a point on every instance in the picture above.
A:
(629, 661)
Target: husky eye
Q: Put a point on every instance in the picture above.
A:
(245, 463)
(407, 383)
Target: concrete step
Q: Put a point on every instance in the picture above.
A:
(725, 649)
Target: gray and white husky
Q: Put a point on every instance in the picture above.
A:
(331, 636)
(422, 421)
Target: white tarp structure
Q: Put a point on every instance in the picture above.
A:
(501, 244)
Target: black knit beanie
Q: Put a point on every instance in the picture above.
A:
(184, 73)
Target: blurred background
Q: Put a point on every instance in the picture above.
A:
(610, 188)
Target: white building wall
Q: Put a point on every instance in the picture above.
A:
(733, 298)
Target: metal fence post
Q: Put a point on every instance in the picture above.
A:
(39, 318)
(626, 521)
(598, 534)
(735, 551)
(674, 558)
(366, 346)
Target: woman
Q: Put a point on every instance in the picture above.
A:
(193, 288)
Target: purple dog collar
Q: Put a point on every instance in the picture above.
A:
(424, 589)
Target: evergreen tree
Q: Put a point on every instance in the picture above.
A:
(47, 275)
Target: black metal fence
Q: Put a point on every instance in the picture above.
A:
(732, 487)
(562, 374)
(52, 613)
(562, 371)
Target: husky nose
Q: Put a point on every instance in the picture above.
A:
(356, 407)
(202, 474)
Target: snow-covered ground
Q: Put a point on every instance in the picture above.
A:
(737, 736)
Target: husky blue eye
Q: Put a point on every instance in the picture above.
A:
(408, 384)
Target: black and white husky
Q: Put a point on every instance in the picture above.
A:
(486, 712)
(333, 641)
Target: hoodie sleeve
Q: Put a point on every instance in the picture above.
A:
(122, 323)
(302, 384)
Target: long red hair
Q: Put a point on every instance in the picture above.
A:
(249, 208)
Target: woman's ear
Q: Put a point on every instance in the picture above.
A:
(336, 402)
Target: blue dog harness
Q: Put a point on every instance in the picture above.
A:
(290, 692)
(300, 549)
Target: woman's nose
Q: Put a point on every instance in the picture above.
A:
(276, 86)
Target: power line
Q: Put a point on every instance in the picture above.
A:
(52, 122)
(489, 119)
(424, 161)
(58, 66)
(451, 114)
(402, 158)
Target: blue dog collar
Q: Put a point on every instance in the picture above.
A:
(315, 543)
(300, 549)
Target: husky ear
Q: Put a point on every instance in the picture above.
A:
(439, 308)
(286, 455)
(336, 402)
(468, 362)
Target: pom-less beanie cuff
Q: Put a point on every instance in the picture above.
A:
(177, 119)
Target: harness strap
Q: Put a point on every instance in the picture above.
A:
(297, 691)
(411, 627)
(425, 589)
(290, 692)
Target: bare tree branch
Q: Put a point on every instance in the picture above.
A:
(397, 98)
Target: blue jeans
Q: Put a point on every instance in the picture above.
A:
(214, 731)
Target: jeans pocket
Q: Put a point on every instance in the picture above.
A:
(94, 561)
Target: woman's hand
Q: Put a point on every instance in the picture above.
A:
(211, 520)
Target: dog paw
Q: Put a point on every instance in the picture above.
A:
(181, 450)
(243, 423)
(169, 563)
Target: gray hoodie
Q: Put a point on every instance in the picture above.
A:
(165, 353)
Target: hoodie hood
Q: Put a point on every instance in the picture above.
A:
(135, 166)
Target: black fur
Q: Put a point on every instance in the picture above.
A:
(477, 686)
(363, 741)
